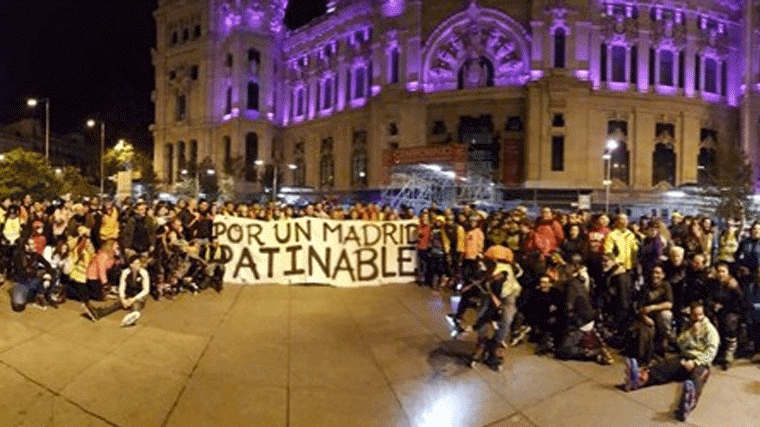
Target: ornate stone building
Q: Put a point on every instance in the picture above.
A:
(528, 92)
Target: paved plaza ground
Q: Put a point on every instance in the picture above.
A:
(313, 356)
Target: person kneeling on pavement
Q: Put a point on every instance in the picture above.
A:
(134, 286)
(581, 341)
(698, 346)
(34, 277)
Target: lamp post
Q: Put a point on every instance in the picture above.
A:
(91, 124)
(32, 103)
(611, 146)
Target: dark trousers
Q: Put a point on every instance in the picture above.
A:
(671, 370)
(470, 270)
(435, 267)
(468, 298)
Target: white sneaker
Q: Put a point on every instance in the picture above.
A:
(130, 319)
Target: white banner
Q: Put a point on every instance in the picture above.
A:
(321, 251)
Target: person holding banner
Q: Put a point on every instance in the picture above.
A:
(423, 245)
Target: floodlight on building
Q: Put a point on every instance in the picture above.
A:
(612, 145)
(259, 163)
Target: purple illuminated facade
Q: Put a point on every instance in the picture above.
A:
(517, 82)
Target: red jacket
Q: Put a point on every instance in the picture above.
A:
(547, 236)
(423, 236)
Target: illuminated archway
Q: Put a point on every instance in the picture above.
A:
(467, 36)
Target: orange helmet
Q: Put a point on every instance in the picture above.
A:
(500, 253)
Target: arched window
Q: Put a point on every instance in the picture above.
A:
(620, 157)
(227, 144)
(251, 155)
(666, 68)
(559, 48)
(664, 156)
(476, 73)
(359, 159)
(228, 102)
(663, 165)
(181, 160)
(328, 94)
(193, 161)
(326, 164)
(360, 89)
(707, 167)
(394, 65)
(299, 105)
(181, 112)
(254, 61)
(169, 162)
(253, 96)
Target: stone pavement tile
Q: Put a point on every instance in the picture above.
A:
(406, 358)
(55, 411)
(47, 320)
(126, 393)
(257, 362)
(743, 368)
(324, 327)
(238, 323)
(346, 366)
(462, 400)
(514, 420)
(319, 407)
(728, 402)
(163, 349)
(231, 402)
(104, 335)
(179, 317)
(18, 394)
(51, 361)
(609, 375)
(13, 332)
(526, 379)
(391, 326)
(592, 404)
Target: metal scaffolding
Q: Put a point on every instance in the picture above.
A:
(416, 186)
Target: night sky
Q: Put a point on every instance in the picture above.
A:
(89, 57)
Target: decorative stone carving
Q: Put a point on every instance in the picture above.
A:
(471, 42)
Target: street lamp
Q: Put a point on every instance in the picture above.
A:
(32, 103)
(611, 146)
(91, 123)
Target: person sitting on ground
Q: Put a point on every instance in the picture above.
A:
(35, 279)
(542, 312)
(725, 306)
(134, 286)
(580, 340)
(652, 330)
(213, 256)
(698, 346)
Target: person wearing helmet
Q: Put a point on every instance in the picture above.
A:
(500, 305)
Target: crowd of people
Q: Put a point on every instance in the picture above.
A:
(672, 296)
(111, 256)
